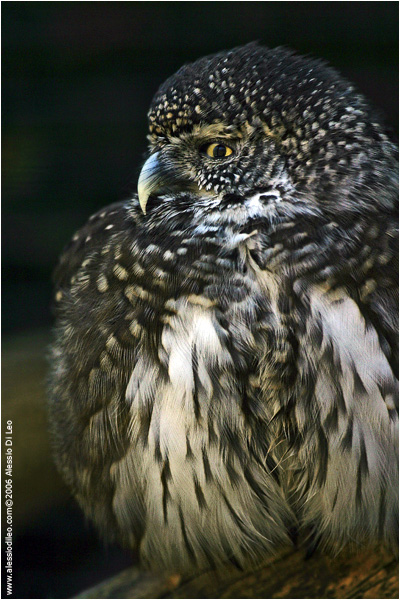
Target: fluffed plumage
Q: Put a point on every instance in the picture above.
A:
(225, 359)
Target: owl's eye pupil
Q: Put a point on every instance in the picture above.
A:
(219, 151)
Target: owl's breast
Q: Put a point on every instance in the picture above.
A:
(206, 483)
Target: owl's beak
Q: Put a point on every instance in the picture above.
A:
(152, 178)
(159, 175)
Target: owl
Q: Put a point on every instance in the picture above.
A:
(225, 355)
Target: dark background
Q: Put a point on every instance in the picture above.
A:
(78, 78)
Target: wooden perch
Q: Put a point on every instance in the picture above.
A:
(371, 574)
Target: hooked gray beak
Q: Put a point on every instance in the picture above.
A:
(153, 177)
(159, 175)
(148, 180)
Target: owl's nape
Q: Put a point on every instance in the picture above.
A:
(224, 368)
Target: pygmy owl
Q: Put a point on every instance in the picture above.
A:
(224, 367)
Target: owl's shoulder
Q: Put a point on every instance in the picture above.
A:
(89, 241)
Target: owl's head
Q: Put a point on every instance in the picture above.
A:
(241, 130)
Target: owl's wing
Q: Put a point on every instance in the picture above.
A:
(380, 309)
(86, 242)
(93, 357)
(346, 420)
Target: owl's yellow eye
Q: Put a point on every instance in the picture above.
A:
(218, 150)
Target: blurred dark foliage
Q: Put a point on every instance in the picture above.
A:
(77, 81)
